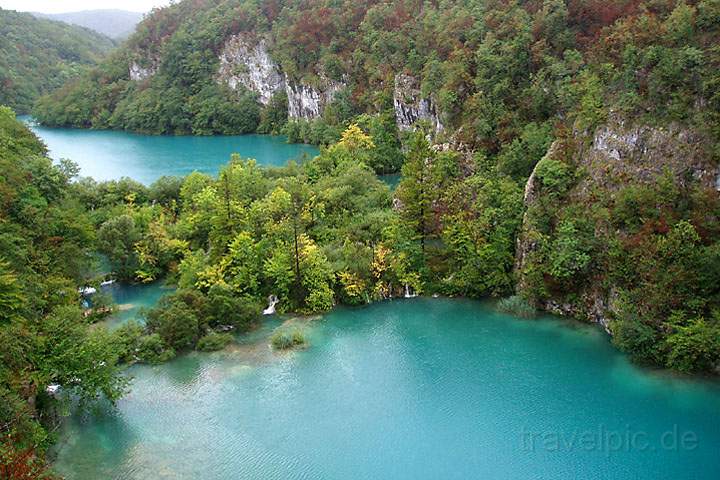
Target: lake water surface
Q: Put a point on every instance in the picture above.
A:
(408, 389)
(109, 155)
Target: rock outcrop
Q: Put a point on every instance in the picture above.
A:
(621, 153)
(615, 156)
(139, 73)
(248, 64)
(411, 106)
(308, 102)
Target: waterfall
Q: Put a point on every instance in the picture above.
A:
(87, 291)
(272, 301)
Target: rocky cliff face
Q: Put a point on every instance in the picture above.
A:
(620, 154)
(411, 107)
(247, 64)
(307, 102)
(139, 73)
(617, 155)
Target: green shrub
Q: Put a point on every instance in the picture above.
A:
(152, 349)
(516, 305)
(127, 338)
(214, 341)
(571, 251)
(635, 337)
(556, 176)
(694, 346)
(275, 115)
(227, 308)
(176, 319)
(102, 305)
(284, 339)
(517, 159)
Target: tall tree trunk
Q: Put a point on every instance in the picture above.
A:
(297, 253)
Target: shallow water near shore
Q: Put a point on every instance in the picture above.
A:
(416, 389)
(130, 299)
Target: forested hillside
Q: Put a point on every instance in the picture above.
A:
(618, 223)
(116, 24)
(47, 242)
(488, 73)
(38, 56)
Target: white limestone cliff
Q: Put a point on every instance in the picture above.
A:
(308, 102)
(139, 73)
(248, 64)
(411, 106)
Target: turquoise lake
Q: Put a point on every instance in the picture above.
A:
(408, 389)
(109, 155)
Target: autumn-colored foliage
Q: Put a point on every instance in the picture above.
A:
(20, 463)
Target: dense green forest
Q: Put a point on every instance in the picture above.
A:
(503, 202)
(38, 56)
(499, 71)
(47, 241)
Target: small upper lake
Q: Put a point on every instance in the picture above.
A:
(407, 389)
(132, 298)
(108, 154)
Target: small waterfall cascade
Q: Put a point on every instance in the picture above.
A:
(272, 301)
(407, 292)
